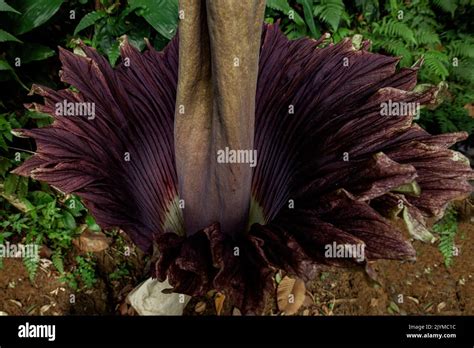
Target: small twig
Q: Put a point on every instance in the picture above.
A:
(16, 148)
(344, 300)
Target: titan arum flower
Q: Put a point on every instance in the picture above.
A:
(330, 168)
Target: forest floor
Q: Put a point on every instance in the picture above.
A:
(403, 288)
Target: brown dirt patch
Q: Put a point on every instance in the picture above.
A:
(48, 295)
(427, 287)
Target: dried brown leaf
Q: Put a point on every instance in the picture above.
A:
(200, 307)
(219, 302)
(90, 241)
(290, 295)
(308, 301)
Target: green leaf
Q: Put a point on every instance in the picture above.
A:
(30, 208)
(40, 118)
(394, 28)
(4, 7)
(4, 66)
(447, 5)
(330, 12)
(22, 188)
(57, 260)
(5, 164)
(4, 37)
(10, 184)
(74, 206)
(3, 144)
(31, 263)
(40, 197)
(461, 49)
(447, 229)
(35, 115)
(308, 16)
(113, 53)
(397, 48)
(91, 224)
(284, 6)
(68, 220)
(31, 52)
(138, 33)
(435, 62)
(162, 15)
(89, 19)
(426, 37)
(35, 13)
(394, 307)
(3, 236)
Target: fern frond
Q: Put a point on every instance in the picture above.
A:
(57, 259)
(31, 263)
(279, 5)
(464, 71)
(425, 22)
(461, 49)
(445, 124)
(399, 49)
(425, 36)
(449, 6)
(396, 29)
(447, 229)
(330, 12)
(435, 63)
(284, 6)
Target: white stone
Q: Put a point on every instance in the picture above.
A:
(148, 299)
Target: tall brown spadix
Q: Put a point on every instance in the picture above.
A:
(219, 43)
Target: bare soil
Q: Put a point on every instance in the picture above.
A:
(48, 294)
(403, 288)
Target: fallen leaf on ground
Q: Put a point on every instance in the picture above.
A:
(290, 295)
(308, 301)
(219, 302)
(123, 308)
(278, 277)
(393, 308)
(236, 312)
(44, 309)
(18, 303)
(90, 241)
(200, 307)
(374, 302)
(326, 310)
(45, 252)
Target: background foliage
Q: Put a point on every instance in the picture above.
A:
(439, 32)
